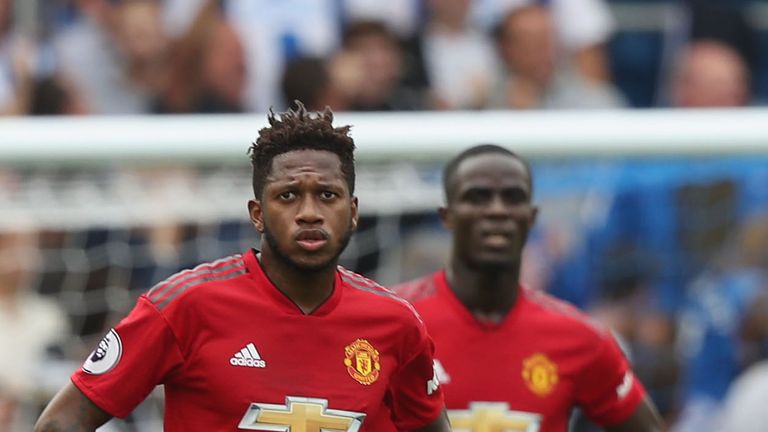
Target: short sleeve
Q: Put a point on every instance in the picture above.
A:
(607, 390)
(415, 393)
(135, 356)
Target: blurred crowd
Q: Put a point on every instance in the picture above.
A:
(227, 56)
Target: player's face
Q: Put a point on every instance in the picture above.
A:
(490, 210)
(306, 213)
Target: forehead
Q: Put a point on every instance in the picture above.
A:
(322, 163)
(491, 170)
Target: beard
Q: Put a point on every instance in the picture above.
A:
(285, 258)
(492, 263)
(491, 266)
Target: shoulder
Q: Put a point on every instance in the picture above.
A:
(376, 293)
(181, 284)
(563, 315)
(417, 289)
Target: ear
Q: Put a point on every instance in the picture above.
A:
(256, 214)
(445, 217)
(355, 213)
(534, 215)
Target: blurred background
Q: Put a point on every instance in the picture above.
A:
(124, 125)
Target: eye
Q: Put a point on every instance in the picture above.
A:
(478, 196)
(327, 195)
(287, 196)
(515, 196)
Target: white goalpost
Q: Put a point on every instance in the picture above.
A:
(387, 136)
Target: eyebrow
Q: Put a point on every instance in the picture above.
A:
(492, 189)
(336, 183)
(503, 188)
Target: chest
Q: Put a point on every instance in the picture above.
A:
(519, 378)
(266, 368)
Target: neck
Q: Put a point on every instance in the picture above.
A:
(308, 289)
(488, 293)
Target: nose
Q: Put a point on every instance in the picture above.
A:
(497, 207)
(309, 211)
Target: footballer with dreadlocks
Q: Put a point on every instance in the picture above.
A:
(277, 339)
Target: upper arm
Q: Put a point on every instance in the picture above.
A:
(441, 424)
(607, 390)
(71, 411)
(132, 359)
(645, 418)
(415, 397)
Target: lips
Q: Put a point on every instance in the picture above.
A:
(497, 238)
(311, 239)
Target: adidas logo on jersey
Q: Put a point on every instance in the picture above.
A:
(248, 357)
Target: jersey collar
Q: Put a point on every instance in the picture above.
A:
(445, 291)
(282, 301)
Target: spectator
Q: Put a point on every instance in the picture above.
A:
(28, 326)
(274, 32)
(115, 54)
(728, 22)
(17, 52)
(402, 16)
(534, 79)
(379, 83)
(744, 407)
(141, 38)
(626, 304)
(582, 27)
(224, 71)
(719, 326)
(710, 74)
(16, 76)
(208, 70)
(53, 96)
(458, 59)
(7, 91)
(308, 80)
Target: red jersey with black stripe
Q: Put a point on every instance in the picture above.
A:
(527, 372)
(234, 353)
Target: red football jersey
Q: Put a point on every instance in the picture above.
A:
(527, 372)
(234, 353)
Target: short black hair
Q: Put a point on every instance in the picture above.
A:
(299, 129)
(449, 171)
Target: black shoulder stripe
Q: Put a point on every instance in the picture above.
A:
(163, 288)
(367, 288)
(212, 277)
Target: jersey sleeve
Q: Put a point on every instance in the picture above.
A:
(608, 391)
(415, 395)
(135, 356)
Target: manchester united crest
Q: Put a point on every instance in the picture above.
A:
(540, 374)
(362, 361)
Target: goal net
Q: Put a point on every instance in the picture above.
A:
(120, 203)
